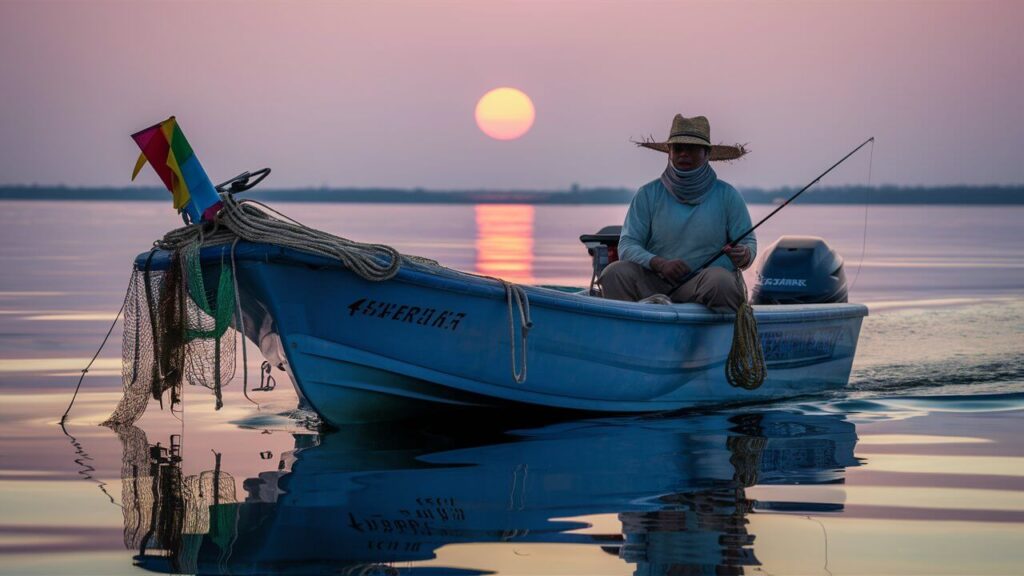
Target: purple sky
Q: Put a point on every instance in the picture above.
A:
(383, 93)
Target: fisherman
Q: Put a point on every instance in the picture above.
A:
(680, 220)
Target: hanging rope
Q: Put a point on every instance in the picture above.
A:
(745, 366)
(240, 319)
(516, 295)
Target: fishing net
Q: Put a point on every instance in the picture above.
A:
(136, 495)
(177, 329)
(165, 512)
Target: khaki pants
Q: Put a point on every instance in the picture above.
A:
(715, 287)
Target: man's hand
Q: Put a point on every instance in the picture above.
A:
(739, 254)
(671, 270)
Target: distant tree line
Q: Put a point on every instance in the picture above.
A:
(575, 195)
(891, 195)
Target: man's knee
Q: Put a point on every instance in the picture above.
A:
(719, 278)
(622, 269)
(619, 279)
(720, 290)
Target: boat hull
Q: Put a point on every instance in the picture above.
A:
(360, 350)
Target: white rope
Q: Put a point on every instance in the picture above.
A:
(255, 222)
(515, 294)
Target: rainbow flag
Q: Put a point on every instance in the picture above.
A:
(164, 146)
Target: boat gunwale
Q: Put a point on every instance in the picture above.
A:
(451, 280)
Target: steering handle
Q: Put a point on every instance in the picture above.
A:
(243, 181)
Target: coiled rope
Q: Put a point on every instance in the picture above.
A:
(255, 222)
(745, 366)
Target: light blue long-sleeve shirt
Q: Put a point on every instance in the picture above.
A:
(659, 225)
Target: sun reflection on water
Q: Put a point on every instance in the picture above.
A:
(504, 241)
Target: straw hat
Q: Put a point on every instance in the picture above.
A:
(696, 130)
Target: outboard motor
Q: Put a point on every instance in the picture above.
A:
(800, 270)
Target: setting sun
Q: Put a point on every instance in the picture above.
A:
(505, 113)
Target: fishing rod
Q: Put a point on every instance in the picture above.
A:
(708, 262)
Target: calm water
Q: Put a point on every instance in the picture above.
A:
(917, 468)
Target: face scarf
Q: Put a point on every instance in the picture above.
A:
(689, 186)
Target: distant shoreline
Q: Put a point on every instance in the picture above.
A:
(949, 195)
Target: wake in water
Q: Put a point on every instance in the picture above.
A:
(965, 349)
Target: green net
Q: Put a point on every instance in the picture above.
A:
(218, 305)
(177, 329)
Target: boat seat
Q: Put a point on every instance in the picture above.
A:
(607, 236)
(603, 248)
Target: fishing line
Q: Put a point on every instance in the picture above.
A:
(825, 535)
(88, 366)
(693, 273)
(864, 236)
(87, 470)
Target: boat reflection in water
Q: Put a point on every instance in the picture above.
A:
(362, 500)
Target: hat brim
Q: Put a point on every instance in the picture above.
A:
(719, 152)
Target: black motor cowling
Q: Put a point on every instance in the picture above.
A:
(800, 270)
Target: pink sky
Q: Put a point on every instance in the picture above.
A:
(383, 93)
